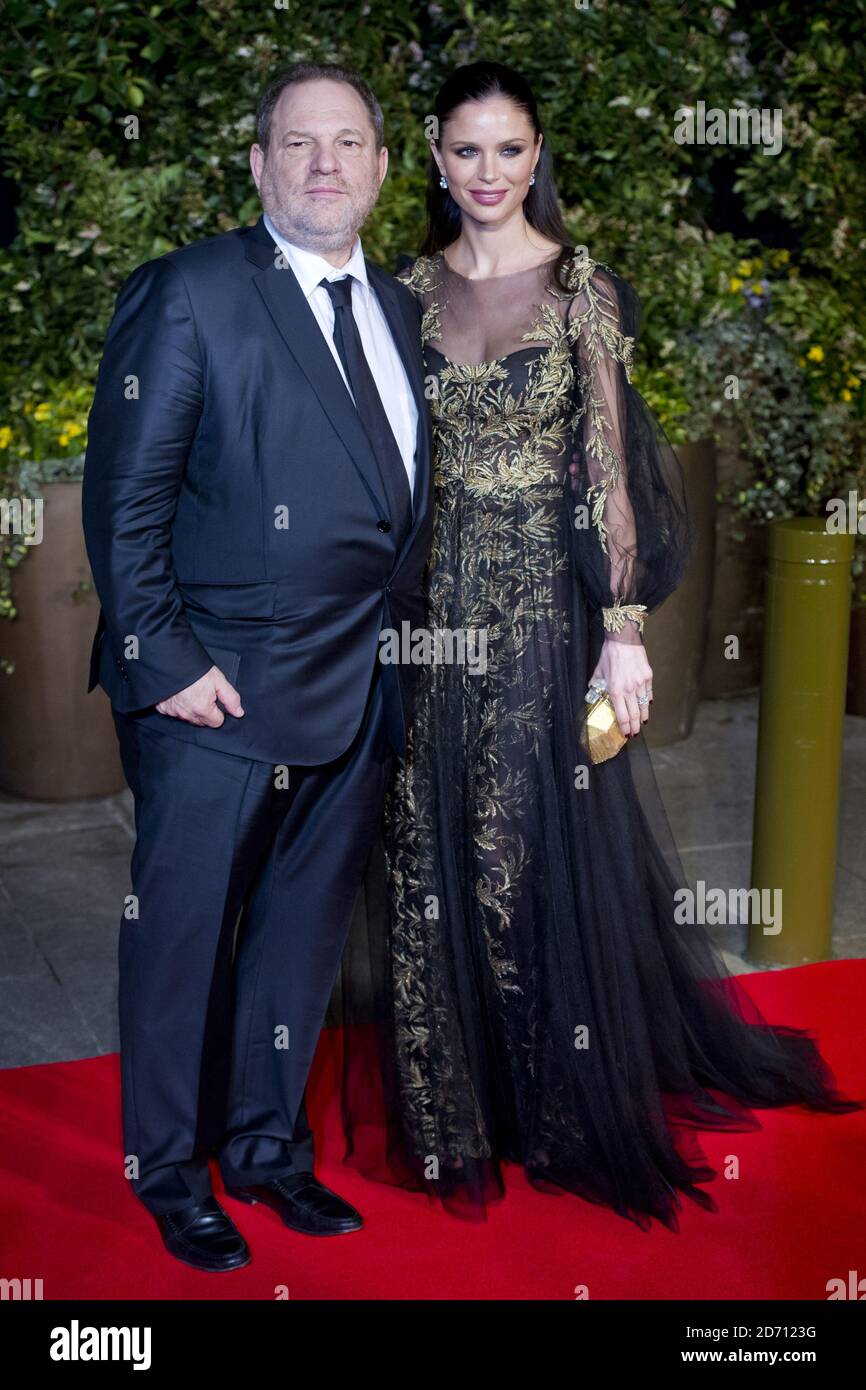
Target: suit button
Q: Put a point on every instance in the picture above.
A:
(383, 526)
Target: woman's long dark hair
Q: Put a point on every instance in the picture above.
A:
(474, 82)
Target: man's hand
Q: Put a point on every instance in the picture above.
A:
(198, 703)
(628, 674)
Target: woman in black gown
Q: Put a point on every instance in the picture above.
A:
(535, 998)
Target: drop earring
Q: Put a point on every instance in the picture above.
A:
(531, 180)
(443, 182)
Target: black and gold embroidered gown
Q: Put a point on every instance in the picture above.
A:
(532, 996)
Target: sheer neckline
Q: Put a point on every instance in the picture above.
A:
(511, 274)
(487, 320)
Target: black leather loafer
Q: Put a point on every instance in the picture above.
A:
(304, 1204)
(203, 1236)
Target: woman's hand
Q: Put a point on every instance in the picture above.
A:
(628, 674)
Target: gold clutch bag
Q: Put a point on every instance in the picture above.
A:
(601, 735)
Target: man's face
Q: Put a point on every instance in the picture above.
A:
(322, 173)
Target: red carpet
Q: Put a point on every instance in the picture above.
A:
(795, 1217)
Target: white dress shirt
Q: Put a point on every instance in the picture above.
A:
(380, 350)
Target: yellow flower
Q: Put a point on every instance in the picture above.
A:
(756, 288)
(28, 407)
(815, 354)
(42, 411)
(756, 266)
(781, 258)
(853, 381)
(744, 268)
(5, 437)
(63, 439)
(72, 429)
(846, 396)
(801, 361)
(736, 285)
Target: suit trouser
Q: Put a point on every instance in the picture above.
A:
(218, 1027)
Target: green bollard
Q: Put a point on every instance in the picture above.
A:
(802, 703)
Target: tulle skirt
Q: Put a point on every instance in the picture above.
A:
(519, 983)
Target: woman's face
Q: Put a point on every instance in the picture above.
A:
(487, 151)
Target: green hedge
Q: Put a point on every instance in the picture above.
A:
(610, 78)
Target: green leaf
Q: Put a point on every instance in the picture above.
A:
(86, 91)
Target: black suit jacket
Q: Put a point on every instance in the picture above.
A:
(233, 509)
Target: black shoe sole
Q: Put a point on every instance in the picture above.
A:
(208, 1269)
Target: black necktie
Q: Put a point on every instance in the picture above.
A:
(368, 402)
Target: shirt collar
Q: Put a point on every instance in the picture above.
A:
(310, 269)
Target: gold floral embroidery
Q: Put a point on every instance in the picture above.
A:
(492, 440)
(593, 319)
(500, 562)
(598, 312)
(423, 277)
(590, 318)
(614, 619)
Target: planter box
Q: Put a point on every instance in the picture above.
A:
(676, 634)
(56, 741)
(738, 592)
(856, 695)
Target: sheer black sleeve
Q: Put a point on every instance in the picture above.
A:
(632, 530)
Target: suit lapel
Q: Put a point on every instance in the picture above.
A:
(296, 322)
(408, 344)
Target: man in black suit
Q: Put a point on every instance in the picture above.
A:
(257, 509)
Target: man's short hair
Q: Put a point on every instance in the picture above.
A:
(314, 72)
